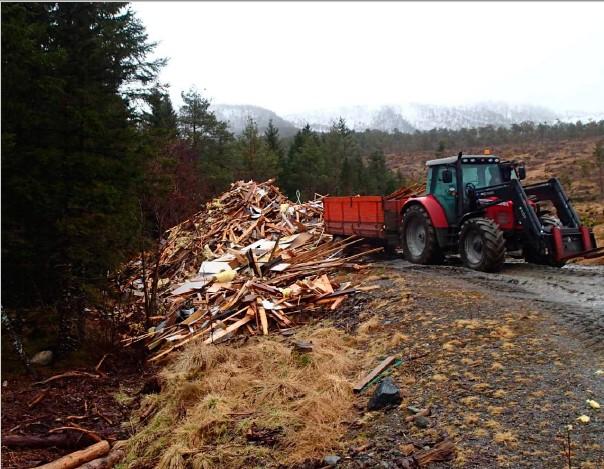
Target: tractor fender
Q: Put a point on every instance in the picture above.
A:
(432, 206)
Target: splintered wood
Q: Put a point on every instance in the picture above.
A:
(250, 262)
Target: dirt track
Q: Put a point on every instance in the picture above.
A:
(573, 295)
(511, 359)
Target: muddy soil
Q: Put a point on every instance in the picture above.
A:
(101, 405)
(506, 362)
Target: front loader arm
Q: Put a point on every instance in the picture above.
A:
(526, 216)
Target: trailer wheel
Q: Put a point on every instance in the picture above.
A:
(418, 237)
(481, 245)
(548, 221)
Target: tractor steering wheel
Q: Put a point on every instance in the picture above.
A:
(470, 189)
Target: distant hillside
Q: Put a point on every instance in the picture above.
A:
(409, 117)
(237, 115)
(405, 118)
(427, 117)
(386, 118)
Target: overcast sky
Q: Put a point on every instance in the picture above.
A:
(297, 56)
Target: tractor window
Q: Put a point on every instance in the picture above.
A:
(439, 187)
(482, 175)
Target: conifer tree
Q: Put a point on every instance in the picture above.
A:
(258, 159)
(211, 140)
(71, 73)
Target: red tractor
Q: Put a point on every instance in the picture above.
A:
(473, 205)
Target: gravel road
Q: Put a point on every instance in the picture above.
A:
(508, 361)
(573, 294)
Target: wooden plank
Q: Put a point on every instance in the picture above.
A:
(282, 317)
(376, 371)
(337, 302)
(233, 327)
(263, 320)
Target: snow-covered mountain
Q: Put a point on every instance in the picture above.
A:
(237, 117)
(408, 117)
(426, 117)
(574, 116)
(386, 118)
(401, 117)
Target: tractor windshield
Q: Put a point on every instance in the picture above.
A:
(482, 175)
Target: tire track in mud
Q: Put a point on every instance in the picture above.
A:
(573, 295)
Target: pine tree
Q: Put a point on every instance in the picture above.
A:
(304, 165)
(69, 162)
(160, 121)
(342, 152)
(211, 140)
(259, 161)
(271, 136)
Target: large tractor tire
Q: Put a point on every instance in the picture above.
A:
(418, 237)
(548, 221)
(481, 245)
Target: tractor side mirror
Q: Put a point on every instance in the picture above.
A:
(447, 176)
(521, 170)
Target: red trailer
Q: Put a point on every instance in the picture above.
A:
(373, 217)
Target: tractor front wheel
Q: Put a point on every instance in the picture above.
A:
(481, 245)
(418, 237)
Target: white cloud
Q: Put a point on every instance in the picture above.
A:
(296, 56)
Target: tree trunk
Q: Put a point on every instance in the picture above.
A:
(65, 440)
(159, 251)
(17, 344)
(68, 334)
(145, 289)
(115, 455)
(78, 458)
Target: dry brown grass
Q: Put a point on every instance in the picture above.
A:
(397, 339)
(371, 325)
(214, 394)
(505, 438)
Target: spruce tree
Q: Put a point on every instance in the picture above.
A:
(211, 140)
(258, 160)
(304, 165)
(71, 73)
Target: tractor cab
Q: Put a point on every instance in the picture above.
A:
(454, 180)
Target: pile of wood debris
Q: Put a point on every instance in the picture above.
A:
(250, 261)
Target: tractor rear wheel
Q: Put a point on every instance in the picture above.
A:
(548, 221)
(481, 245)
(418, 237)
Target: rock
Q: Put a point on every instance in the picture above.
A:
(421, 421)
(287, 332)
(43, 358)
(331, 460)
(386, 394)
(302, 346)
